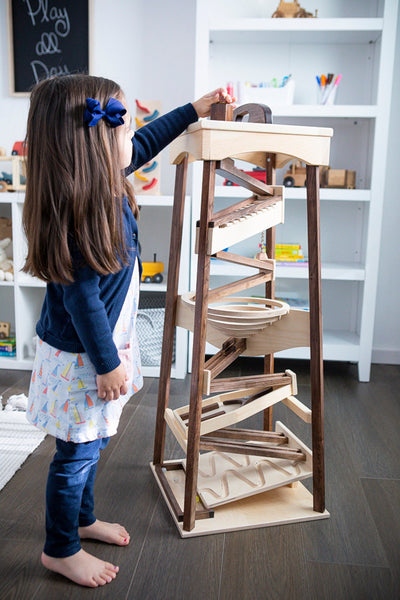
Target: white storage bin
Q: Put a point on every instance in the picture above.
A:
(271, 96)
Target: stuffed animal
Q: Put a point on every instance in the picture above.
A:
(6, 264)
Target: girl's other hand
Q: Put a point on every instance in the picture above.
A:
(112, 385)
(203, 105)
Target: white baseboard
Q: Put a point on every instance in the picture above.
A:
(385, 356)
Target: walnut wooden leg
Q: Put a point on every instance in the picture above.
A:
(270, 285)
(170, 308)
(316, 359)
(199, 343)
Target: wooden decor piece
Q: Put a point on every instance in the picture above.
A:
(215, 487)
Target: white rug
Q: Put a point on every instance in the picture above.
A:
(18, 439)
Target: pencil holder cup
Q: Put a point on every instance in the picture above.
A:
(327, 94)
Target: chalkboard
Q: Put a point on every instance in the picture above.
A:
(48, 37)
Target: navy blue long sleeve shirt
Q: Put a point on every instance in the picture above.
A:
(81, 316)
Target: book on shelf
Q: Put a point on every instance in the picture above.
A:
(291, 263)
(287, 246)
(288, 252)
(7, 345)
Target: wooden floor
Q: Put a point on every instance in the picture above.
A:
(354, 555)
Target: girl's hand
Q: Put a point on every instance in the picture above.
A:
(112, 385)
(203, 105)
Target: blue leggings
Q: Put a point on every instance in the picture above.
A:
(69, 495)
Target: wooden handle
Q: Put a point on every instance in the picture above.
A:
(258, 113)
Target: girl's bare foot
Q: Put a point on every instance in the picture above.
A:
(112, 533)
(82, 568)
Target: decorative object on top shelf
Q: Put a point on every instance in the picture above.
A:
(6, 264)
(147, 178)
(295, 176)
(338, 178)
(152, 271)
(292, 10)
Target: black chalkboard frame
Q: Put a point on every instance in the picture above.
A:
(42, 9)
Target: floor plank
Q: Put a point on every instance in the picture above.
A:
(345, 582)
(383, 497)
(265, 563)
(354, 554)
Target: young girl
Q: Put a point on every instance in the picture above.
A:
(79, 220)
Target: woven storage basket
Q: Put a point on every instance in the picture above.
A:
(150, 326)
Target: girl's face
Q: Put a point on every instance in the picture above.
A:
(124, 137)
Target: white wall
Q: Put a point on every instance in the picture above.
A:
(161, 33)
(386, 346)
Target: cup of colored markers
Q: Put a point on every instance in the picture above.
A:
(327, 88)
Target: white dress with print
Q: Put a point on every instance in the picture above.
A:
(63, 397)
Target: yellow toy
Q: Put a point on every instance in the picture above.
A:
(152, 271)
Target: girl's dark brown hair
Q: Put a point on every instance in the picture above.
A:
(74, 184)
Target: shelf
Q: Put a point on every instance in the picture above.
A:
(14, 363)
(334, 111)
(233, 191)
(155, 200)
(337, 271)
(154, 287)
(337, 345)
(155, 371)
(25, 280)
(144, 200)
(10, 197)
(300, 31)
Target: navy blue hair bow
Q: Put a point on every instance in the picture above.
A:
(112, 113)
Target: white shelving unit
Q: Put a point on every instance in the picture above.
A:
(21, 300)
(235, 43)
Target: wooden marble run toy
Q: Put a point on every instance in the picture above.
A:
(234, 477)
